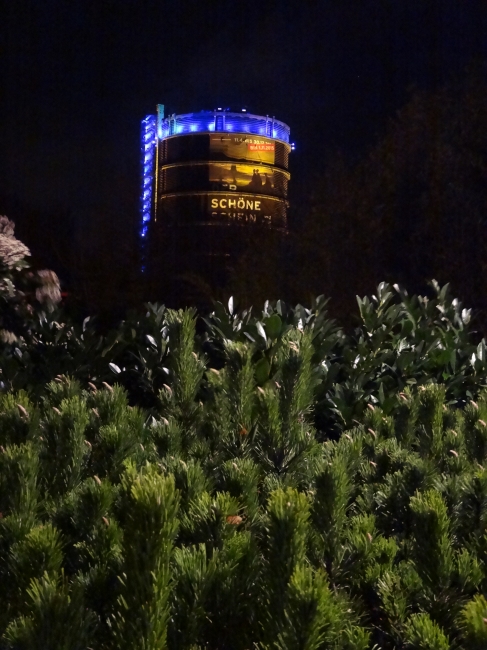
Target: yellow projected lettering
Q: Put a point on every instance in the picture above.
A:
(241, 204)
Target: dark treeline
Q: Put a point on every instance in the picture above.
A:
(415, 207)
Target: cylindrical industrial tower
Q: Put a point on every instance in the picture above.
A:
(210, 179)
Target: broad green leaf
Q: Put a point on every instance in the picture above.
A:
(273, 326)
(262, 370)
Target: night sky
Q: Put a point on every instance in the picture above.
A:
(77, 78)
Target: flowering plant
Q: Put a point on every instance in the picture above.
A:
(22, 290)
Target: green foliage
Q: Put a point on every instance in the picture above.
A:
(309, 616)
(267, 482)
(474, 619)
(423, 634)
(55, 619)
(432, 549)
(150, 506)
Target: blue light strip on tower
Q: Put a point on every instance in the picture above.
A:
(223, 121)
(148, 150)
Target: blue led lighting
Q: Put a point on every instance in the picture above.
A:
(158, 127)
(206, 121)
(147, 150)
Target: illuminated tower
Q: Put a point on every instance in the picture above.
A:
(210, 180)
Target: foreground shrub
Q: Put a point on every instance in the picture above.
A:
(226, 523)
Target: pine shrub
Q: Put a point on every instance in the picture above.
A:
(263, 482)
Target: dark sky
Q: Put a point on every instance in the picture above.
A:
(77, 77)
